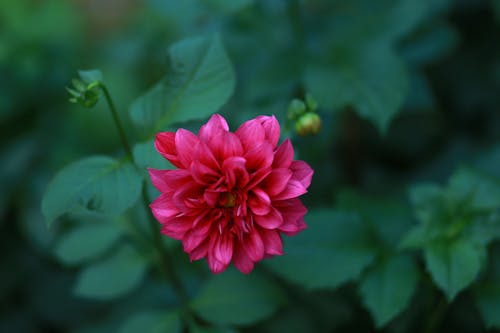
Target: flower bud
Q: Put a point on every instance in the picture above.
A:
(311, 103)
(296, 109)
(308, 124)
(84, 94)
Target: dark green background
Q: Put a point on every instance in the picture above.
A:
(408, 92)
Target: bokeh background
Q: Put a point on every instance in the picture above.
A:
(414, 111)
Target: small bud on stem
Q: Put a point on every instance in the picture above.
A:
(302, 113)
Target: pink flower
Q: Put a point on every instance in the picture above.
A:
(233, 194)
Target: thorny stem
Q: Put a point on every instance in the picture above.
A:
(164, 258)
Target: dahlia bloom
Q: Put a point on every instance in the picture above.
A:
(233, 194)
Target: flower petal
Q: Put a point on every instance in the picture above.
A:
(276, 181)
(272, 220)
(293, 189)
(253, 245)
(175, 234)
(158, 179)
(202, 174)
(185, 143)
(284, 155)
(211, 197)
(258, 201)
(293, 212)
(259, 157)
(241, 260)
(168, 180)
(302, 172)
(176, 227)
(257, 177)
(298, 226)
(235, 172)
(273, 245)
(200, 251)
(215, 265)
(189, 199)
(251, 132)
(271, 127)
(165, 145)
(213, 127)
(223, 248)
(163, 209)
(192, 240)
(229, 145)
(201, 222)
(203, 154)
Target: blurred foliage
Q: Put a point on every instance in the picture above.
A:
(404, 220)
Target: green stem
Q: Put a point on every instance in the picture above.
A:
(437, 316)
(164, 258)
(118, 124)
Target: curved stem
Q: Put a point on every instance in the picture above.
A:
(164, 258)
(118, 124)
(437, 316)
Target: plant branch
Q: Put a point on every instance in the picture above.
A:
(164, 258)
(116, 119)
(437, 316)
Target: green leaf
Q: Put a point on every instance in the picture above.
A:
(394, 20)
(98, 183)
(153, 322)
(488, 301)
(390, 217)
(484, 229)
(489, 160)
(479, 192)
(365, 73)
(387, 288)
(228, 7)
(199, 80)
(429, 208)
(401, 18)
(237, 299)
(454, 265)
(373, 81)
(91, 75)
(195, 328)
(48, 21)
(431, 43)
(86, 241)
(335, 248)
(427, 200)
(416, 238)
(146, 156)
(487, 292)
(112, 277)
(496, 9)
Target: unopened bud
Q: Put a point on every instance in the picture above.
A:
(296, 109)
(311, 103)
(308, 124)
(84, 93)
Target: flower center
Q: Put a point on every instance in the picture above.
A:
(230, 200)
